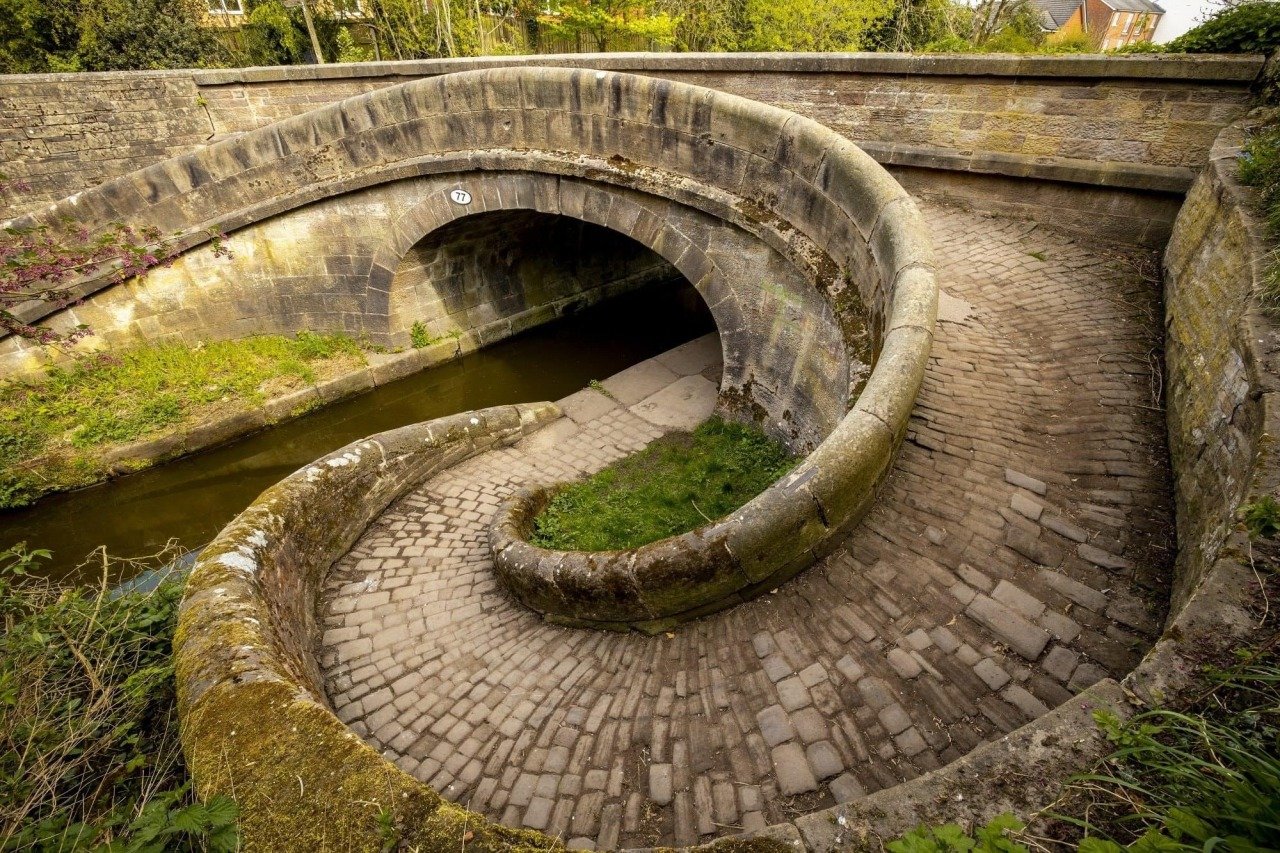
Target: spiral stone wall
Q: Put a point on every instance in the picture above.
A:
(254, 718)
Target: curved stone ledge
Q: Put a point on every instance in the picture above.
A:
(791, 524)
(1216, 259)
(255, 721)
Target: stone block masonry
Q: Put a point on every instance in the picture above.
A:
(1137, 122)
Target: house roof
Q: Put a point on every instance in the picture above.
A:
(1055, 13)
(1135, 6)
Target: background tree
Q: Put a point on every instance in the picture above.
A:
(708, 25)
(812, 25)
(120, 35)
(104, 35)
(607, 22)
(913, 25)
(422, 29)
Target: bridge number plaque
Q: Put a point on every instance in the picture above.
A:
(460, 196)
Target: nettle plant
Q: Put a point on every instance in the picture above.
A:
(44, 264)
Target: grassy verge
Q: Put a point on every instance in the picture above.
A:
(89, 752)
(1260, 168)
(677, 483)
(53, 432)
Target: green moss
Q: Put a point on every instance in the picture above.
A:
(676, 484)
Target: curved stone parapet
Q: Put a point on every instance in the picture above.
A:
(769, 540)
(255, 721)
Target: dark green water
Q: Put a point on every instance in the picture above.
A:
(191, 499)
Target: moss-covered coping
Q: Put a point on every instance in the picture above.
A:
(797, 519)
(255, 721)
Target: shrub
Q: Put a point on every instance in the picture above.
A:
(1248, 28)
(1262, 517)
(89, 752)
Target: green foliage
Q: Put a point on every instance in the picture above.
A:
(1203, 778)
(811, 25)
(1246, 28)
(104, 35)
(950, 44)
(420, 336)
(952, 838)
(929, 25)
(1079, 42)
(89, 752)
(1262, 517)
(411, 29)
(676, 484)
(100, 399)
(1260, 168)
(608, 21)
(348, 50)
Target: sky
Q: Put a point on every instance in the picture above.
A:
(1180, 16)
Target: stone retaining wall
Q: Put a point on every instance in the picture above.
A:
(1217, 347)
(1138, 123)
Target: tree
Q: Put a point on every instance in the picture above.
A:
(423, 29)
(118, 35)
(38, 35)
(103, 35)
(608, 21)
(708, 25)
(913, 25)
(814, 25)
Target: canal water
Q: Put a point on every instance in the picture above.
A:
(191, 499)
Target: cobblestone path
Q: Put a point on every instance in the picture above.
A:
(1008, 564)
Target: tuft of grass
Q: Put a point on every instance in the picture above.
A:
(1262, 517)
(89, 750)
(1260, 168)
(676, 484)
(1201, 778)
(107, 398)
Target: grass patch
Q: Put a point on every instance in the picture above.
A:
(89, 751)
(49, 429)
(1260, 168)
(677, 483)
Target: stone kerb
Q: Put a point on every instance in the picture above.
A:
(793, 522)
(255, 721)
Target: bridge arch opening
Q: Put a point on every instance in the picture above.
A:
(498, 272)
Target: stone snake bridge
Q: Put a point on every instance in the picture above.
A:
(940, 606)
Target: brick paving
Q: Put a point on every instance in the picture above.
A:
(1012, 560)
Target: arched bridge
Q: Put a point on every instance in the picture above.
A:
(947, 584)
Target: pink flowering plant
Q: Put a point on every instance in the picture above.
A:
(41, 264)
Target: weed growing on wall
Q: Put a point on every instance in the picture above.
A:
(51, 429)
(420, 336)
(677, 483)
(89, 752)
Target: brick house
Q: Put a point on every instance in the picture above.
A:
(1110, 23)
